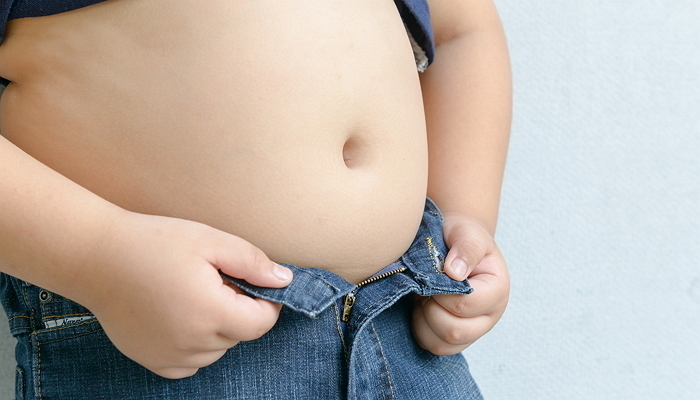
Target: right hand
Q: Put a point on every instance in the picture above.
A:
(156, 290)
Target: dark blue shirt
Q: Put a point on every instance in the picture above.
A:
(15, 9)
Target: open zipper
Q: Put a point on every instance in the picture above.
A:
(349, 299)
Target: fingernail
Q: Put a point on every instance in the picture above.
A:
(460, 268)
(282, 273)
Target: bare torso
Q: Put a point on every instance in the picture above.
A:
(296, 125)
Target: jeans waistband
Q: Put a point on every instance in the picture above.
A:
(313, 290)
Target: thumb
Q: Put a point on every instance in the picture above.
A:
(468, 243)
(240, 259)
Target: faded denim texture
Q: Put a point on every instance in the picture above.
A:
(63, 353)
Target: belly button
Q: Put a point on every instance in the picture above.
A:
(352, 153)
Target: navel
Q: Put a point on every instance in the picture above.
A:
(353, 154)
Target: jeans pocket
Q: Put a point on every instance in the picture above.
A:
(60, 318)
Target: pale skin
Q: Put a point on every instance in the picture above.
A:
(106, 252)
(138, 259)
(467, 96)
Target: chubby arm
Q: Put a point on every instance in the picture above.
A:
(48, 225)
(152, 282)
(467, 96)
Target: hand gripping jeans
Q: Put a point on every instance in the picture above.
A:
(311, 353)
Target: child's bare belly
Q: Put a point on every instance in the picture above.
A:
(296, 125)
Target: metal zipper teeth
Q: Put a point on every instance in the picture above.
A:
(349, 299)
(381, 276)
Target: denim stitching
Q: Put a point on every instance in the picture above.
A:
(37, 379)
(386, 362)
(438, 260)
(28, 305)
(14, 330)
(254, 290)
(22, 390)
(38, 352)
(64, 327)
(69, 337)
(372, 310)
(66, 315)
(340, 332)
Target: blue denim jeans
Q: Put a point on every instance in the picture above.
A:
(311, 353)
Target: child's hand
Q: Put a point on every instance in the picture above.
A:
(447, 324)
(158, 294)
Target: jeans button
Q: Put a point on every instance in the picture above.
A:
(44, 296)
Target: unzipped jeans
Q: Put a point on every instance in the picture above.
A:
(313, 352)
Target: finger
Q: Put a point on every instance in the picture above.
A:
(231, 316)
(242, 260)
(429, 340)
(491, 283)
(247, 318)
(489, 296)
(468, 244)
(175, 373)
(202, 359)
(191, 359)
(454, 330)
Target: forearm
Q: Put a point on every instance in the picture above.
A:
(467, 96)
(153, 282)
(50, 227)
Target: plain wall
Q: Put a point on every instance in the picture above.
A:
(600, 219)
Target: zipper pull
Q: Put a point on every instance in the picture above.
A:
(347, 306)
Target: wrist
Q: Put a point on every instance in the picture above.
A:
(86, 271)
(451, 218)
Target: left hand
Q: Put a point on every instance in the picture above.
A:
(449, 323)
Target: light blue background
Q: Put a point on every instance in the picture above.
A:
(600, 218)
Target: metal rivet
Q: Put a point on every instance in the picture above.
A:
(44, 296)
